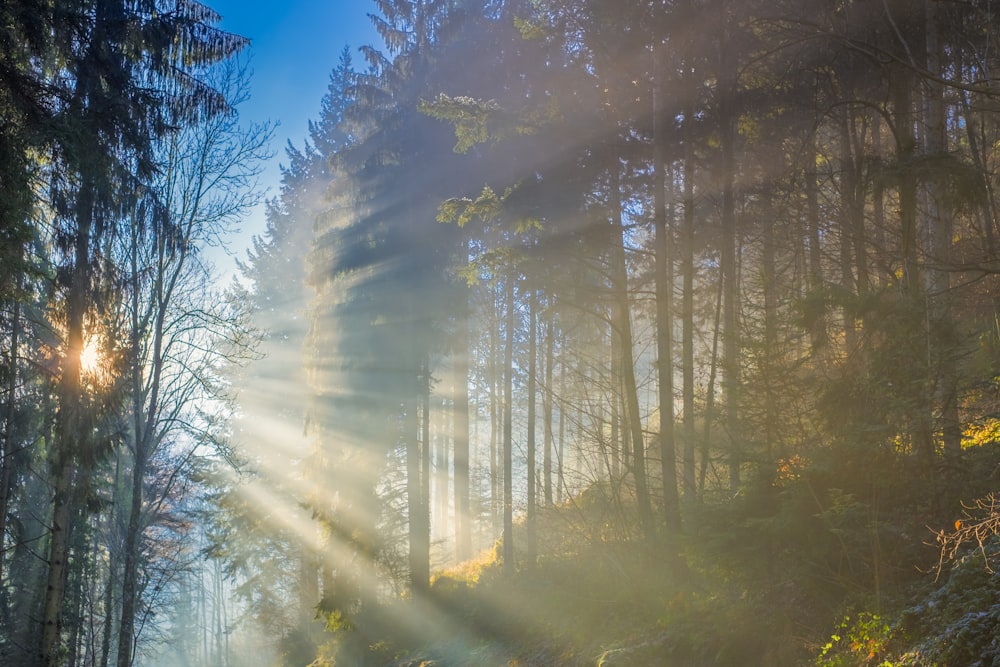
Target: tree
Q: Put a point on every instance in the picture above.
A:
(207, 169)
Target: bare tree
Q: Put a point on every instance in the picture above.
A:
(178, 336)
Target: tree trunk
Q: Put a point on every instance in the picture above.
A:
(665, 331)
(9, 437)
(730, 306)
(814, 282)
(417, 467)
(531, 517)
(547, 413)
(508, 436)
(706, 437)
(687, 298)
(900, 92)
(463, 509)
(938, 221)
(561, 446)
(425, 472)
(847, 193)
(493, 382)
(623, 324)
(70, 441)
(770, 354)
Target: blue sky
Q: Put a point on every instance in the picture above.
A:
(294, 46)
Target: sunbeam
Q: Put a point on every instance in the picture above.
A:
(564, 333)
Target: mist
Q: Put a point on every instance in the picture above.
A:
(576, 333)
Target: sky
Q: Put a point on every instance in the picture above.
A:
(295, 44)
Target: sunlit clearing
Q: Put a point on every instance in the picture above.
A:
(90, 356)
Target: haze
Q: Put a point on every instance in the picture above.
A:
(451, 333)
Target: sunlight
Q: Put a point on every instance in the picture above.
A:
(90, 356)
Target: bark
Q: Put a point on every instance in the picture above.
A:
(494, 380)
(69, 441)
(878, 197)
(900, 91)
(561, 447)
(508, 436)
(547, 414)
(7, 454)
(939, 234)
(770, 355)
(531, 541)
(424, 544)
(847, 206)
(706, 437)
(619, 457)
(665, 335)
(439, 519)
(417, 484)
(730, 306)
(817, 330)
(622, 322)
(687, 298)
(463, 510)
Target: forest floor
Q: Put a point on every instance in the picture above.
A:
(602, 600)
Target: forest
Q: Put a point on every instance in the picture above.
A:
(581, 333)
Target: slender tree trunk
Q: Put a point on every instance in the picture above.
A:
(900, 91)
(145, 410)
(939, 234)
(531, 518)
(561, 448)
(75, 599)
(508, 436)
(417, 484)
(878, 197)
(770, 354)
(9, 438)
(665, 333)
(463, 509)
(687, 298)
(814, 273)
(622, 322)
(425, 472)
(847, 192)
(547, 413)
(70, 441)
(730, 308)
(706, 437)
(109, 607)
(618, 457)
(133, 533)
(439, 520)
(493, 382)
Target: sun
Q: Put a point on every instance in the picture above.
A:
(90, 356)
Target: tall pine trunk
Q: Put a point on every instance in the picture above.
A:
(547, 412)
(9, 435)
(939, 235)
(730, 279)
(622, 321)
(531, 518)
(508, 425)
(687, 296)
(463, 509)
(70, 440)
(665, 329)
